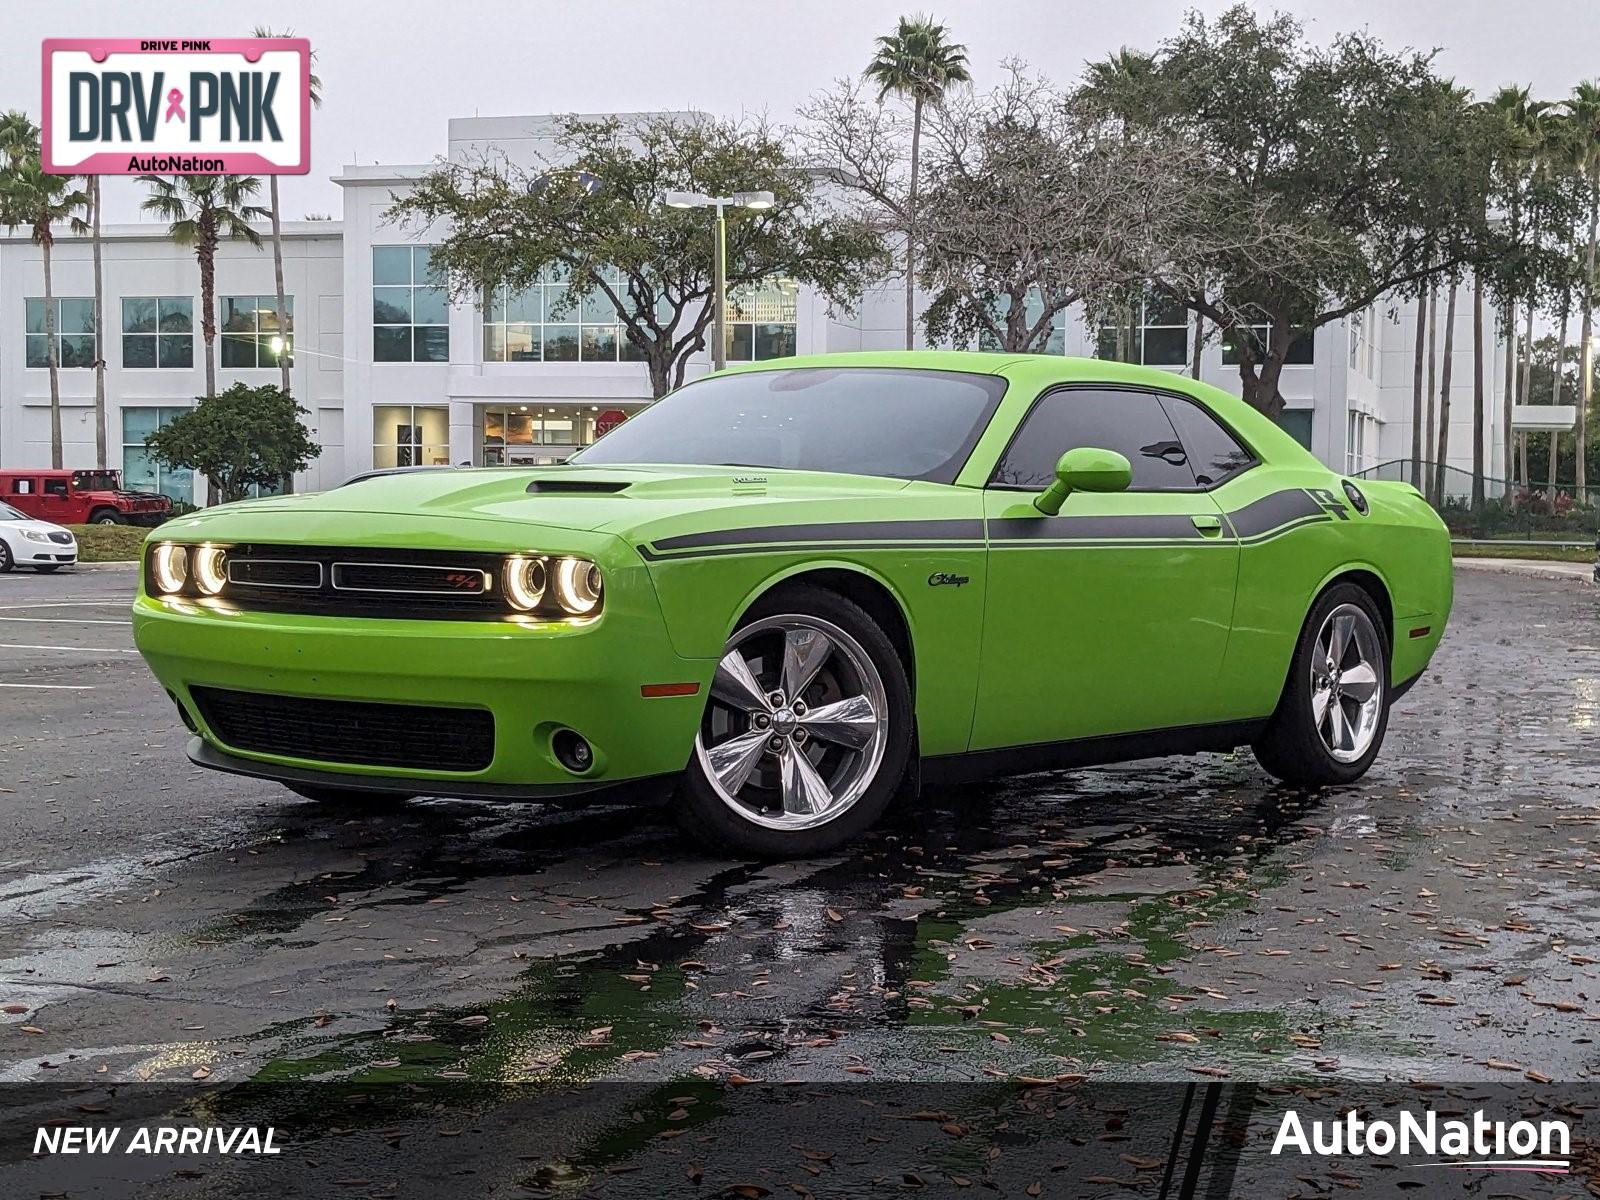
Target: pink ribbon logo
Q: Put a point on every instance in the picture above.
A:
(175, 105)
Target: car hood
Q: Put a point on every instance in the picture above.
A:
(30, 523)
(632, 502)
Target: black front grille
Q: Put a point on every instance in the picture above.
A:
(421, 737)
(358, 581)
(61, 539)
(409, 579)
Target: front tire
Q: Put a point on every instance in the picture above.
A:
(807, 733)
(105, 516)
(47, 568)
(7, 563)
(1334, 712)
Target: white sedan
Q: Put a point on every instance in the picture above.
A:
(27, 542)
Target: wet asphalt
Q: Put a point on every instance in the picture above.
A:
(1180, 919)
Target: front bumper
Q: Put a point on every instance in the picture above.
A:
(533, 677)
(28, 553)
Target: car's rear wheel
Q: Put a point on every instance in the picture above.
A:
(807, 733)
(347, 797)
(1334, 711)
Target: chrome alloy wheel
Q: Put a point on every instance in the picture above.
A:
(797, 723)
(1347, 682)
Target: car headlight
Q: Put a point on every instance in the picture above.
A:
(578, 586)
(526, 580)
(210, 565)
(34, 535)
(169, 567)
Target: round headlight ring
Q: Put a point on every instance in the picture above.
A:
(169, 567)
(1357, 500)
(210, 565)
(525, 581)
(578, 586)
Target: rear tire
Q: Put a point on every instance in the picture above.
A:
(780, 775)
(1334, 711)
(347, 797)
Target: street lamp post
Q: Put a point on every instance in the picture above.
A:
(719, 254)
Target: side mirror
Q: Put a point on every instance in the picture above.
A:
(1086, 469)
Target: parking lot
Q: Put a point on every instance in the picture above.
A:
(1180, 918)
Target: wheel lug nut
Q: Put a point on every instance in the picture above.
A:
(761, 720)
(775, 745)
(775, 699)
(799, 735)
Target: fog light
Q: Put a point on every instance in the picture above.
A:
(169, 567)
(571, 751)
(578, 585)
(210, 569)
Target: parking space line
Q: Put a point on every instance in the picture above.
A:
(59, 620)
(52, 687)
(115, 601)
(68, 649)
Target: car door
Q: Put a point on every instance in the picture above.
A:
(55, 502)
(1113, 616)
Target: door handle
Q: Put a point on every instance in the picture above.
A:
(1208, 526)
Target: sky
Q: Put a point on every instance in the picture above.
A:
(394, 72)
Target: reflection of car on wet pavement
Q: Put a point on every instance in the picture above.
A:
(29, 542)
(800, 585)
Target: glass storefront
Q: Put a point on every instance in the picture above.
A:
(539, 433)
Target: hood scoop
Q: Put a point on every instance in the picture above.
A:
(577, 487)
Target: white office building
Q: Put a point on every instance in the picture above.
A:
(391, 373)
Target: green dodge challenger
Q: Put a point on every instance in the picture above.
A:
(791, 591)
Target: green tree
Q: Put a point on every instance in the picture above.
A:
(1583, 111)
(276, 208)
(202, 210)
(1367, 154)
(240, 438)
(919, 63)
(595, 212)
(39, 201)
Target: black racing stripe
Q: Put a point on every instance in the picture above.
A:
(839, 531)
(1122, 527)
(910, 547)
(1269, 512)
(1279, 530)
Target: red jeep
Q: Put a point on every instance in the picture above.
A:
(81, 497)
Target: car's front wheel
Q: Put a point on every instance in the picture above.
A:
(6, 561)
(807, 733)
(1334, 710)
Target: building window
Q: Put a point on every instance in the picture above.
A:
(1156, 333)
(250, 333)
(75, 335)
(139, 471)
(410, 307)
(1032, 309)
(549, 322)
(1363, 352)
(532, 426)
(1296, 422)
(157, 331)
(760, 320)
(1298, 355)
(410, 435)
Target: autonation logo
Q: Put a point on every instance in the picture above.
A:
(1474, 1143)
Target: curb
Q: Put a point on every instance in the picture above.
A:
(105, 566)
(1578, 572)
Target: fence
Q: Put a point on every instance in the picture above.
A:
(1507, 513)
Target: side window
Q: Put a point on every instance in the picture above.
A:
(22, 487)
(1214, 453)
(55, 487)
(1131, 423)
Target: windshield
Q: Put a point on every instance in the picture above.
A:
(901, 423)
(97, 481)
(7, 513)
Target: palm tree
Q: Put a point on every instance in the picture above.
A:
(1433, 369)
(92, 206)
(1516, 112)
(916, 62)
(1416, 388)
(261, 31)
(19, 137)
(202, 210)
(1444, 394)
(30, 197)
(1477, 391)
(1583, 115)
